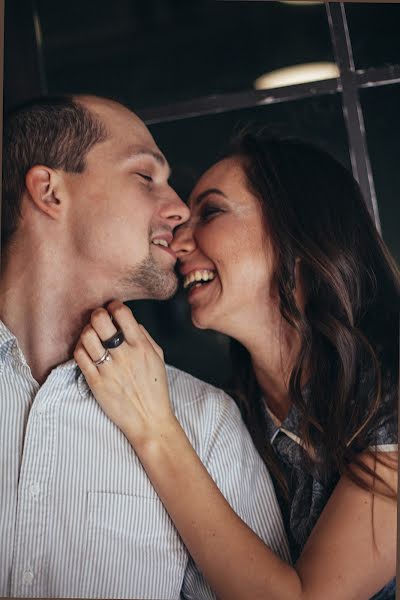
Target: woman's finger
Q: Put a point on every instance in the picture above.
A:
(92, 343)
(102, 324)
(85, 363)
(123, 316)
(156, 347)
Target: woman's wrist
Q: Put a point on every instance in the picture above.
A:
(155, 439)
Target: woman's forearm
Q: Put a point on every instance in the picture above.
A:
(237, 564)
(348, 555)
(351, 550)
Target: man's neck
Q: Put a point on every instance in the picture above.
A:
(46, 310)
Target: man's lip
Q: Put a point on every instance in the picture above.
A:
(167, 236)
(168, 250)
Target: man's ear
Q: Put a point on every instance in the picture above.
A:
(44, 186)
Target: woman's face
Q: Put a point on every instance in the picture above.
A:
(225, 256)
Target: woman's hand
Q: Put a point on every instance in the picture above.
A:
(131, 387)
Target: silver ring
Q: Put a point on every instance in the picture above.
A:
(106, 356)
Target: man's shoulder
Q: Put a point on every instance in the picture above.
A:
(181, 380)
(206, 412)
(186, 389)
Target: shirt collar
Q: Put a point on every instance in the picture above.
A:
(7, 339)
(9, 343)
(290, 425)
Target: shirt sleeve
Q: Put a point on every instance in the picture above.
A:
(240, 474)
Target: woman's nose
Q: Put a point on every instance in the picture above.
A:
(183, 242)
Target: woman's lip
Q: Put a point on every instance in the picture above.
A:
(194, 291)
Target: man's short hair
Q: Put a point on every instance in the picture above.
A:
(56, 132)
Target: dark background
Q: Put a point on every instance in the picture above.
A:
(154, 53)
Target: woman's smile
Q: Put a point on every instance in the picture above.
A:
(196, 276)
(198, 281)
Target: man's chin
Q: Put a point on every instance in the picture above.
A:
(162, 288)
(169, 290)
(150, 282)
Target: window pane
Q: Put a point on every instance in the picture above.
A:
(193, 144)
(382, 122)
(155, 52)
(374, 33)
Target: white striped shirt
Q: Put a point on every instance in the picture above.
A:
(79, 517)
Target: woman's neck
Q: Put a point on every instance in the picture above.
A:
(273, 358)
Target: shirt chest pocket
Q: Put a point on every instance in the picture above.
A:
(132, 549)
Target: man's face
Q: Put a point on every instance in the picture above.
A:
(123, 212)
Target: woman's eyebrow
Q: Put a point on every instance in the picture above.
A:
(206, 193)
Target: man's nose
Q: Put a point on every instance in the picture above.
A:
(183, 242)
(175, 210)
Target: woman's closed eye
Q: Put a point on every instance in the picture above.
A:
(208, 211)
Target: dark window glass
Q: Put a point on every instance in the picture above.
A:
(374, 33)
(382, 121)
(155, 52)
(191, 145)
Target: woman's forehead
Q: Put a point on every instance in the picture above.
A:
(224, 175)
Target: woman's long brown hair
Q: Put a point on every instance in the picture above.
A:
(313, 210)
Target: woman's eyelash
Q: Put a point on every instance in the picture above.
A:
(209, 211)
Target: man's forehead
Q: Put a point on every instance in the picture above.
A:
(131, 135)
(128, 136)
(137, 150)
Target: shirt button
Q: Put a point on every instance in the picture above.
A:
(35, 490)
(27, 577)
(41, 410)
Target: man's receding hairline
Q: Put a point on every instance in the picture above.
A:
(86, 99)
(92, 114)
(86, 102)
(89, 102)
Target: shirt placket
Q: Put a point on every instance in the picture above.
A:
(30, 561)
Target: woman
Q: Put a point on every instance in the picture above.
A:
(281, 254)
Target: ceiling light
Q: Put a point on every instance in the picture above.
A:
(297, 74)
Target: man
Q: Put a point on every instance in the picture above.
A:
(87, 217)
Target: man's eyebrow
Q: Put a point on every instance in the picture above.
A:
(137, 152)
(206, 193)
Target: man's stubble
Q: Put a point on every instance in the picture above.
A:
(156, 282)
